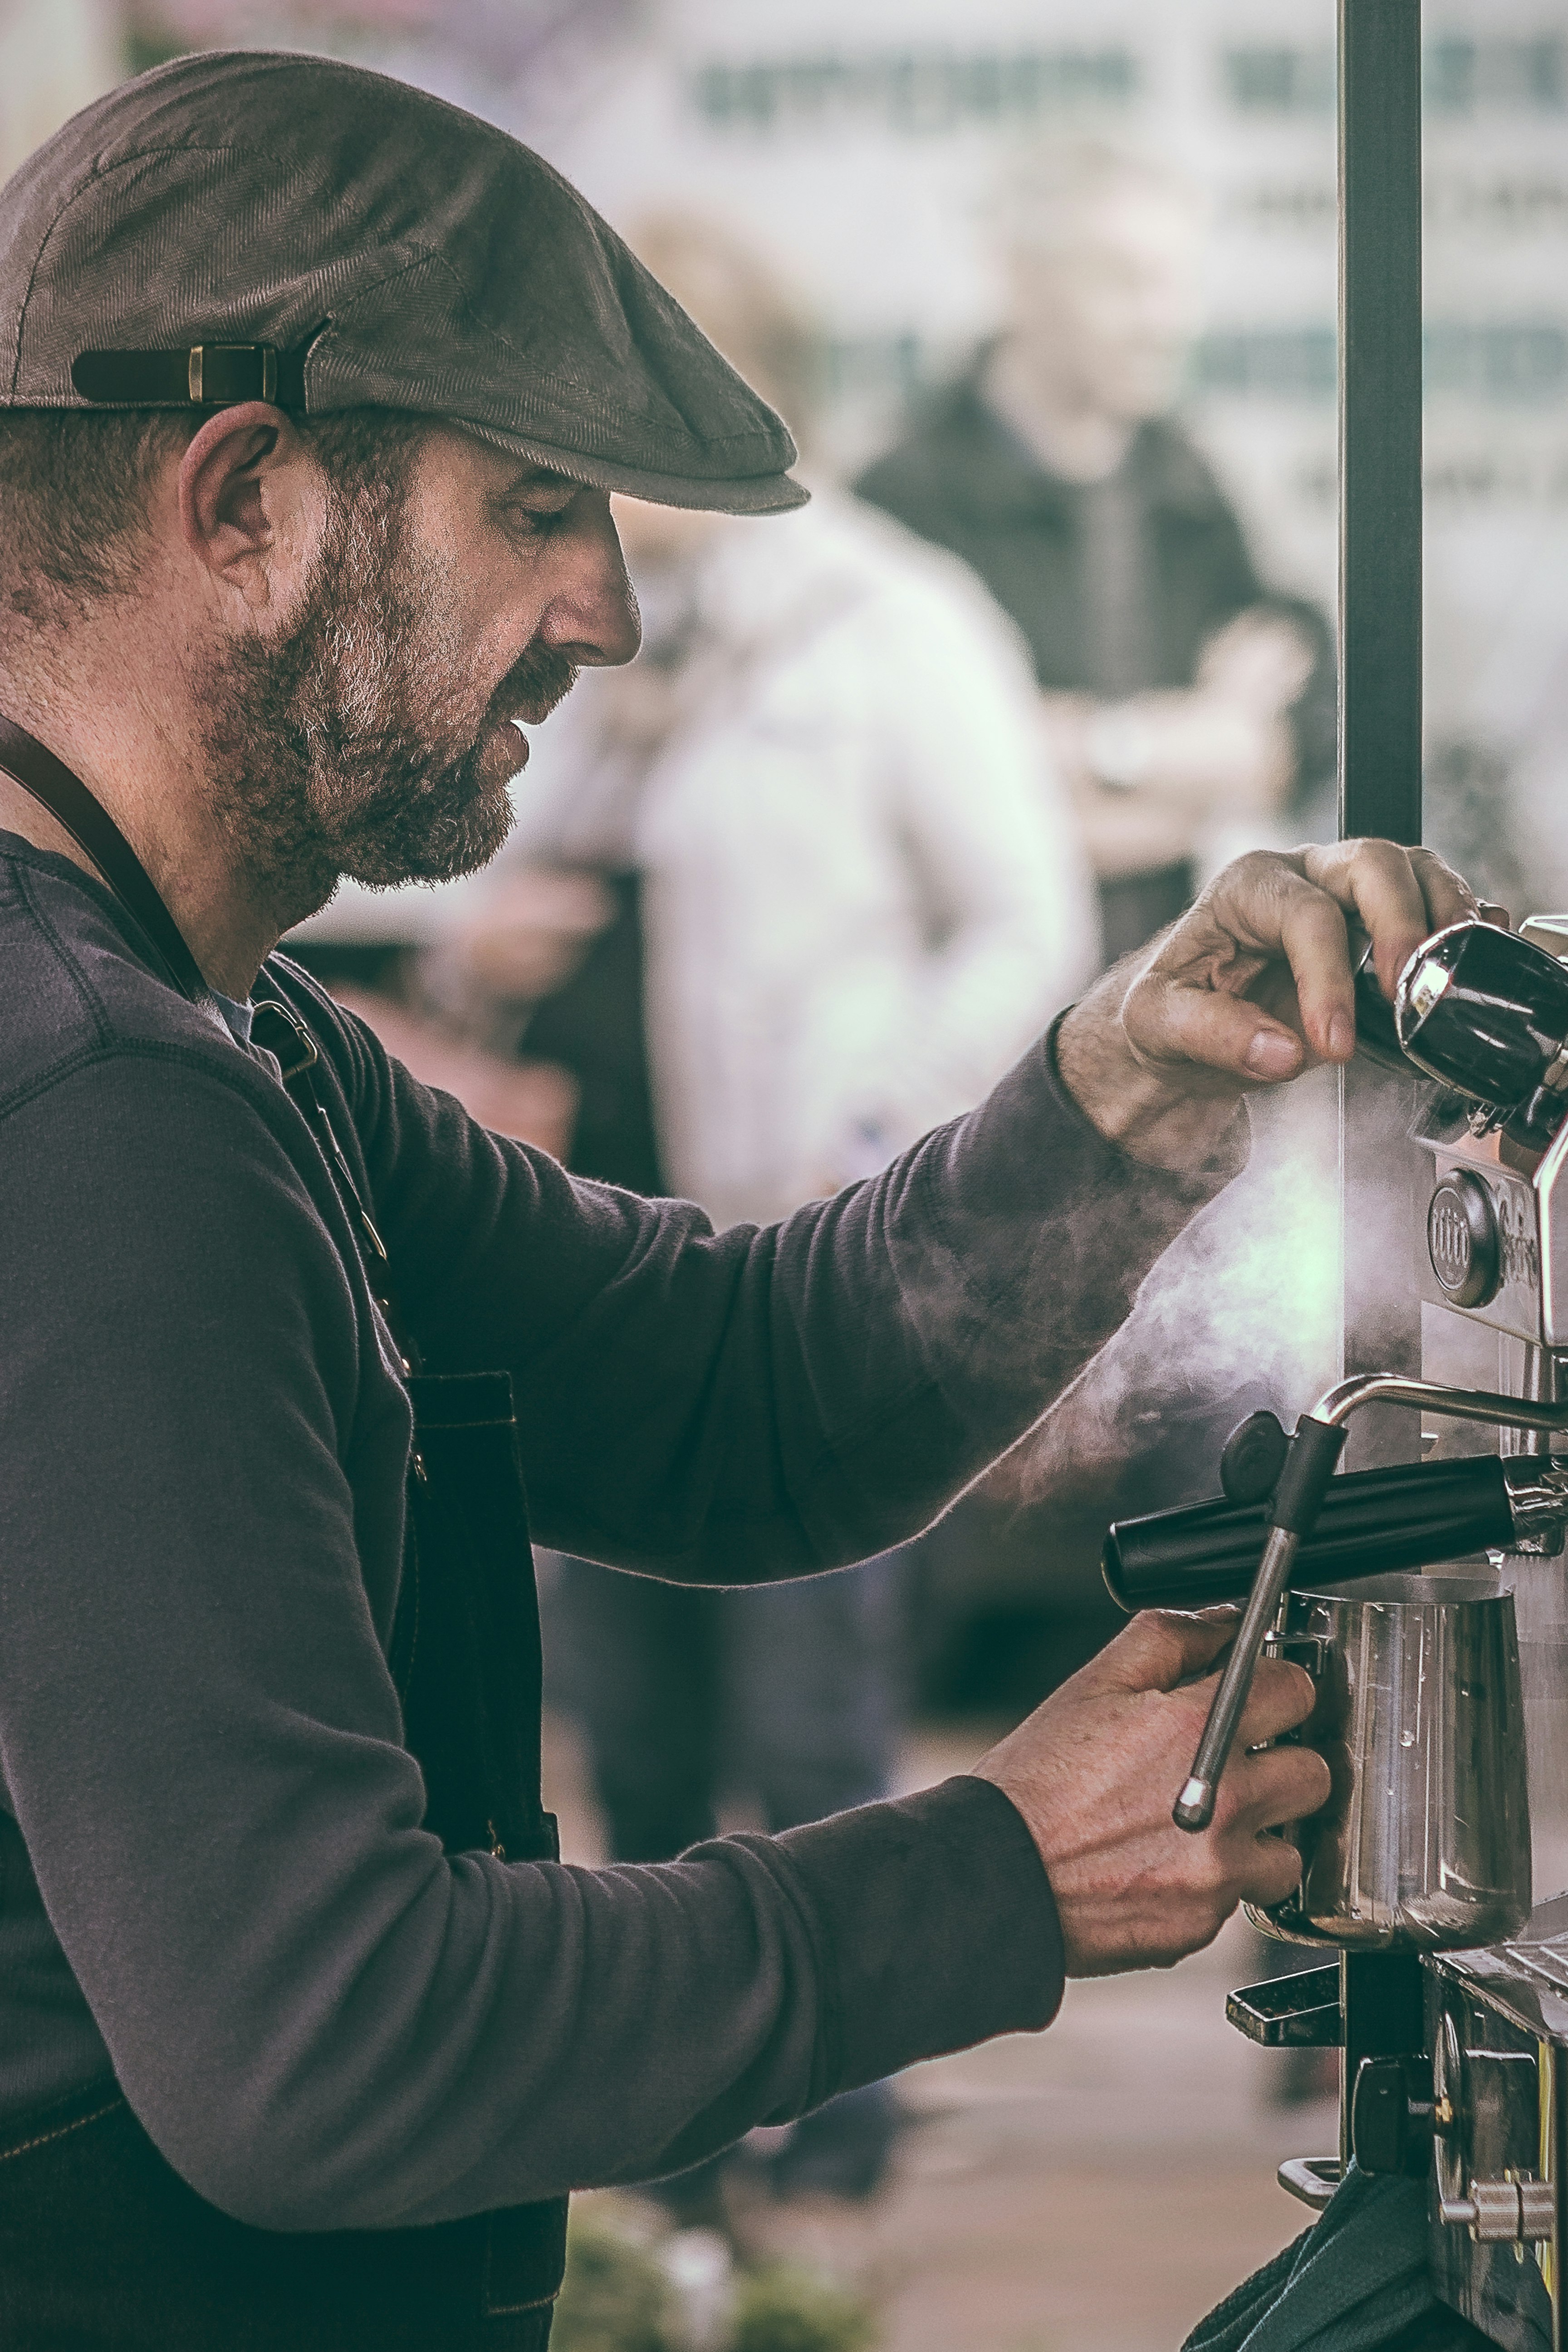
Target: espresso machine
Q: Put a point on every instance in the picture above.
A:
(1403, 1589)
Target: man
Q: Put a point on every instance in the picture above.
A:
(1181, 697)
(304, 2034)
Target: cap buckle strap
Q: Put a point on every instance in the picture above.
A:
(196, 373)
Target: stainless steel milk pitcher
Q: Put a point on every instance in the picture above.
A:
(1425, 1842)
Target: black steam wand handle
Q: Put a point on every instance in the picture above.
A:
(1316, 1447)
(1310, 1464)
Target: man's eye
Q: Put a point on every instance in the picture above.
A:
(536, 522)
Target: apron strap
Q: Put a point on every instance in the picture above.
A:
(59, 790)
(281, 1031)
(68, 801)
(489, 1742)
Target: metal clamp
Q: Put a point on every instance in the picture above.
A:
(1517, 2210)
(1311, 2179)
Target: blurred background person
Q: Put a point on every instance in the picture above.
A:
(1189, 708)
(840, 889)
(1191, 712)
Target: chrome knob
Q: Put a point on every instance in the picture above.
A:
(1503, 2213)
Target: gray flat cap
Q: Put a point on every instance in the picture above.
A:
(240, 226)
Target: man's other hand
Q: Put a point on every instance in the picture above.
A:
(1252, 987)
(1095, 1770)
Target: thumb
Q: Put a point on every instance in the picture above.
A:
(1170, 1022)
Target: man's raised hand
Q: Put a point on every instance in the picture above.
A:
(1252, 986)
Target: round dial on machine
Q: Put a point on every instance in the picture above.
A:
(1463, 1241)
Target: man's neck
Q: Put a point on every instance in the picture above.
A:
(144, 781)
(1068, 433)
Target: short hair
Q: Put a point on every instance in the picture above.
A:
(75, 483)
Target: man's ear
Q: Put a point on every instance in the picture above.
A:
(251, 502)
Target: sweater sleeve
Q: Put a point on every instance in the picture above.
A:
(322, 2020)
(730, 1407)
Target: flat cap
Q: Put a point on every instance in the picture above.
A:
(239, 225)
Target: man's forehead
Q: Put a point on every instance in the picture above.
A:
(543, 477)
(497, 474)
(506, 474)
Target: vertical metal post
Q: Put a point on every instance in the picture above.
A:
(1380, 418)
(1380, 762)
(1379, 626)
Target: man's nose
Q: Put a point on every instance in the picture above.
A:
(592, 619)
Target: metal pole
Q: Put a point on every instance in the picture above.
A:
(1380, 418)
(1379, 629)
(1380, 763)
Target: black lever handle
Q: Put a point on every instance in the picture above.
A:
(1406, 1515)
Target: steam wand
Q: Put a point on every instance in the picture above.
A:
(1310, 1464)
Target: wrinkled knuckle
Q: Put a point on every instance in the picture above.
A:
(1153, 1639)
(1142, 1006)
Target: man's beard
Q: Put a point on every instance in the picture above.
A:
(352, 746)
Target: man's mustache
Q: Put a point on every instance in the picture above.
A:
(538, 679)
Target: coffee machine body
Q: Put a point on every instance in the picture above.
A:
(1497, 2045)
(1443, 1695)
(1448, 1998)
(1489, 1235)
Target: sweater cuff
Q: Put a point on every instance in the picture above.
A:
(936, 1926)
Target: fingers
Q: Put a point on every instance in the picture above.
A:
(1282, 1695)
(1164, 1647)
(1402, 895)
(1260, 1794)
(1312, 934)
(1271, 1871)
(1208, 1027)
(1194, 1002)
(1449, 898)
(1264, 1791)
(1270, 926)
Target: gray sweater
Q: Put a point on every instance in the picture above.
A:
(214, 1879)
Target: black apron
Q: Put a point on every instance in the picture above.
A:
(101, 2243)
